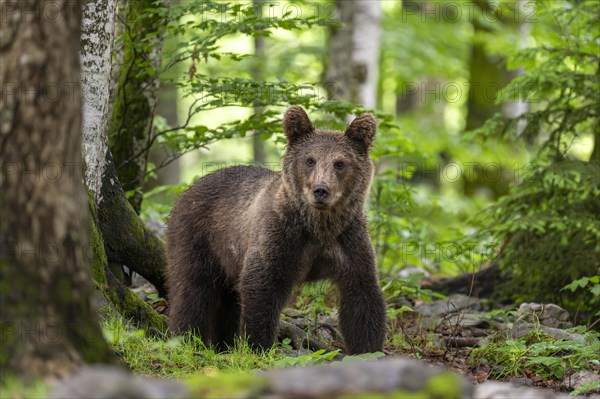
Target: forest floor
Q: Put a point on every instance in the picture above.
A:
(530, 346)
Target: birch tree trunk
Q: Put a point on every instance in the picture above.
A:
(47, 322)
(98, 27)
(366, 50)
(114, 225)
(353, 69)
(258, 75)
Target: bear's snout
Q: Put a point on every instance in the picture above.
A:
(321, 192)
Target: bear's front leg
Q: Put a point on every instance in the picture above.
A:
(362, 316)
(362, 305)
(265, 286)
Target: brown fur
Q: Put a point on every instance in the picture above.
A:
(239, 239)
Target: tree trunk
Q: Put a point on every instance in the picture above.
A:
(339, 76)
(258, 75)
(354, 48)
(595, 157)
(96, 54)
(98, 26)
(125, 301)
(366, 51)
(48, 324)
(136, 97)
(168, 100)
(488, 73)
(127, 240)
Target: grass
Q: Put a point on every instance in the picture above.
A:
(180, 357)
(14, 388)
(187, 356)
(537, 354)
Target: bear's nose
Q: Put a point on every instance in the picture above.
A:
(320, 192)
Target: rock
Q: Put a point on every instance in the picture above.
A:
(504, 390)
(522, 382)
(291, 312)
(138, 281)
(523, 328)
(453, 304)
(99, 301)
(549, 315)
(579, 378)
(410, 270)
(104, 382)
(393, 377)
(156, 226)
(467, 319)
(359, 377)
(300, 338)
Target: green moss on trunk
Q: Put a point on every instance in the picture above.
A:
(127, 240)
(127, 303)
(135, 100)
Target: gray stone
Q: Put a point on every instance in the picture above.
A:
(506, 390)
(156, 226)
(576, 380)
(467, 319)
(291, 312)
(348, 378)
(104, 382)
(522, 382)
(549, 315)
(523, 328)
(453, 304)
(99, 301)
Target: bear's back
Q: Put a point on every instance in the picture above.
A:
(222, 210)
(221, 193)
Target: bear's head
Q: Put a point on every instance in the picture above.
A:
(327, 169)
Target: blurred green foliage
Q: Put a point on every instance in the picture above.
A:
(548, 224)
(438, 199)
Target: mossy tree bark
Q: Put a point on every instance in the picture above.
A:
(125, 301)
(136, 96)
(48, 326)
(119, 236)
(127, 241)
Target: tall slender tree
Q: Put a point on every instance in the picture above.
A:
(354, 48)
(112, 218)
(258, 75)
(136, 96)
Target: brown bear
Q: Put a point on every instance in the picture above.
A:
(240, 238)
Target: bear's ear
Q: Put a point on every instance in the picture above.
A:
(362, 130)
(296, 124)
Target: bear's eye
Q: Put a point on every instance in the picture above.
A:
(339, 165)
(310, 162)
